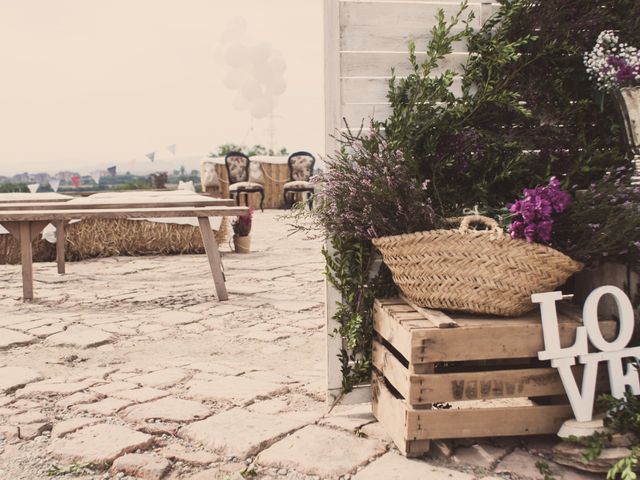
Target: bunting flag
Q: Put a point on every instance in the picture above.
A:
(112, 171)
(75, 180)
(54, 183)
(33, 187)
(172, 148)
(151, 156)
(96, 177)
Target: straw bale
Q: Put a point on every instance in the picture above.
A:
(94, 238)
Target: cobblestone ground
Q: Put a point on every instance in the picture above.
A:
(129, 368)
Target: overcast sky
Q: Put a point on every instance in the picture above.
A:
(85, 84)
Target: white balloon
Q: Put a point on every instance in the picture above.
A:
(251, 89)
(236, 55)
(261, 52)
(262, 107)
(278, 64)
(277, 87)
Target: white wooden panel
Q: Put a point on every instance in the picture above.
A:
(376, 26)
(355, 113)
(373, 64)
(332, 124)
(374, 90)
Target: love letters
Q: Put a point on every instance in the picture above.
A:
(613, 352)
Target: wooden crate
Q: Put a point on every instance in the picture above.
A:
(486, 368)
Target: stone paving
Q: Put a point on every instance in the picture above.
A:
(129, 368)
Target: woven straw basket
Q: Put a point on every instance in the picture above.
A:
(478, 271)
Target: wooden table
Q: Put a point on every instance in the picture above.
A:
(88, 203)
(22, 197)
(26, 224)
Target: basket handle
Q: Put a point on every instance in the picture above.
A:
(490, 223)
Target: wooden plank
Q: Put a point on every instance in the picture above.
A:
(13, 228)
(374, 90)
(332, 123)
(486, 422)
(391, 368)
(359, 114)
(36, 228)
(51, 215)
(379, 64)
(422, 389)
(391, 413)
(26, 254)
(437, 317)
(23, 197)
(363, 30)
(332, 93)
(77, 205)
(390, 330)
(488, 342)
(61, 238)
(450, 387)
(213, 255)
(334, 342)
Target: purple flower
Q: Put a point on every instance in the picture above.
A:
(533, 214)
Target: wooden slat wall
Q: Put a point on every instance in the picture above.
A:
(374, 38)
(364, 40)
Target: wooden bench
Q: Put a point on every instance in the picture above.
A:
(26, 224)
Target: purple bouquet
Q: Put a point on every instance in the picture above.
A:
(533, 214)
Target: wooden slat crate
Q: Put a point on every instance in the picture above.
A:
(486, 368)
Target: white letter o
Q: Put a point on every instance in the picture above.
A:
(625, 312)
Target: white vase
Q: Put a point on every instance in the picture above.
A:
(629, 104)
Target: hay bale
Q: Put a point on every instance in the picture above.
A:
(94, 238)
(43, 251)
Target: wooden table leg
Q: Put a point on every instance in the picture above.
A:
(26, 253)
(60, 239)
(213, 254)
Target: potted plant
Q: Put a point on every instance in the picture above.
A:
(615, 68)
(241, 231)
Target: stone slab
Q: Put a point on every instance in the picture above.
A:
(168, 410)
(239, 432)
(234, 389)
(161, 378)
(15, 377)
(141, 465)
(107, 406)
(321, 451)
(523, 465)
(11, 338)
(79, 337)
(349, 417)
(393, 466)
(181, 453)
(140, 395)
(69, 426)
(48, 388)
(479, 455)
(176, 318)
(100, 444)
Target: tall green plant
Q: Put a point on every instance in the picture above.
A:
(349, 270)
